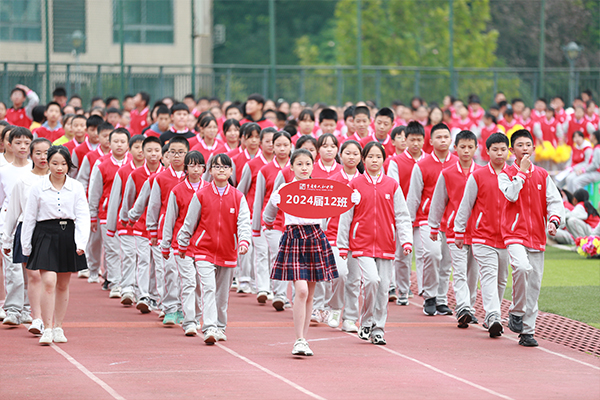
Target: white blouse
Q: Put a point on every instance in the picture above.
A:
(47, 203)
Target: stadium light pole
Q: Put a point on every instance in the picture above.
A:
(122, 49)
(542, 47)
(272, 53)
(47, 33)
(193, 50)
(572, 51)
(453, 86)
(359, 49)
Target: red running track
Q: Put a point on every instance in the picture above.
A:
(117, 353)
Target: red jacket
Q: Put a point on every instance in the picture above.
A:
(576, 125)
(370, 228)
(102, 185)
(18, 117)
(321, 171)
(159, 199)
(549, 130)
(208, 151)
(265, 182)
(43, 132)
(388, 145)
(114, 209)
(400, 169)
(134, 186)
(247, 178)
(333, 223)
(215, 225)
(138, 121)
(81, 150)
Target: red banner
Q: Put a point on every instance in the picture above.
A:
(315, 198)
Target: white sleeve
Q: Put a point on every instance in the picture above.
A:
(439, 200)
(82, 217)
(128, 199)
(30, 219)
(83, 174)
(140, 203)
(190, 223)
(392, 171)
(114, 203)
(554, 203)
(95, 191)
(511, 188)
(343, 235)
(170, 219)
(466, 205)
(32, 101)
(13, 213)
(154, 205)
(404, 232)
(413, 199)
(259, 198)
(245, 180)
(244, 229)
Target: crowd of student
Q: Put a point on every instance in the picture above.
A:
(167, 206)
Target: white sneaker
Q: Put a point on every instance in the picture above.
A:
(84, 274)
(349, 326)
(26, 318)
(58, 335)
(37, 326)
(191, 331)
(210, 336)
(244, 287)
(46, 338)
(325, 315)
(2, 314)
(115, 293)
(127, 299)
(334, 318)
(315, 316)
(221, 337)
(270, 296)
(94, 278)
(11, 319)
(301, 348)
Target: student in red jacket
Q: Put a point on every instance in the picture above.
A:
(532, 200)
(483, 200)
(446, 198)
(216, 228)
(209, 144)
(18, 115)
(384, 121)
(253, 111)
(52, 129)
(101, 182)
(583, 218)
(436, 258)
(179, 201)
(90, 143)
(370, 230)
(139, 115)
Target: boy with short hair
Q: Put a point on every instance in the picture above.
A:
(139, 114)
(445, 201)
(328, 122)
(102, 135)
(483, 200)
(52, 129)
(16, 303)
(113, 117)
(361, 117)
(91, 142)
(384, 120)
(532, 200)
(233, 112)
(179, 114)
(59, 95)
(101, 180)
(18, 115)
(253, 111)
(162, 124)
(436, 265)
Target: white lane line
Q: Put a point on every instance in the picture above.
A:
(312, 340)
(449, 375)
(273, 374)
(87, 373)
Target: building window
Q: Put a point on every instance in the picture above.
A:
(144, 21)
(21, 20)
(69, 26)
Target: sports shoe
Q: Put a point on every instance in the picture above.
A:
(279, 303)
(115, 293)
(392, 295)
(46, 338)
(334, 318)
(127, 299)
(364, 332)
(2, 314)
(410, 294)
(83, 274)
(170, 319)
(429, 307)
(179, 317)
(94, 278)
(287, 304)
(495, 327)
(474, 320)
(315, 316)
(527, 340)
(301, 348)
(191, 330)
(515, 323)
(37, 326)
(402, 300)
(377, 338)
(58, 335)
(244, 287)
(26, 317)
(443, 309)
(221, 337)
(325, 315)
(270, 296)
(11, 319)
(261, 297)
(349, 326)
(161, 315)
(143, 305)
(210, 336)
(234, 283)
(464, 317)
(105, 285)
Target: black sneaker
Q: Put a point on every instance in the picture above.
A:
(429, 306)
(392, 295)
(443, 310)
(364, 332)
(105, 285)
(527, 340)
(495, 328)
(474, 319)
(515, 323)
(377, 338)
(464, 317)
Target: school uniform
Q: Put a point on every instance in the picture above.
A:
(436, 257)
(548, 130)
(157, 207)
(594, 120)
(171, 133)
(78, 154)
(263, 123)
(216, 224)
(508, 125)
(532, 194)
(22, 116)
(239, 159)
(446, 198)
(463, 125)
(571, 125)
(485, 133)
(207, 151)
(370, 230)
(191, 293)
(138, 121)
(16, 301)
(387, 144)
(476, 117)
(581, 154)
(579, 223)
(70, 145)
(483, 200)
(55, 224)
(591, 172)
(103, 175)
(45, 131)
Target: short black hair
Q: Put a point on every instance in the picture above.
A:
(497, 137)
(189, 96)
(113, 110)
(38, 113)
(180, 139)
(145, 97)
(53, 103)
(151, 139)
(415, 128)
(301, 152)
(19, 132)
(370, 145)
(136, 138)
(328, 113)
(521, 133)
(179, 107)
(256, 97)
(361, 110)
(229, 123)
(307, 112)
(37, 141)
(163, 109)
(465, 135)
(193, 157)
(250, 128)
(105, 126)
(303, 139)
(397, 131)
(59, 92)
(120, 131)
(438, 127)
(94, 120)
(385, 112)
(349, 112)
(232, 106)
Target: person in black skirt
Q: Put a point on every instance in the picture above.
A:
(305, 256)
(56, 228)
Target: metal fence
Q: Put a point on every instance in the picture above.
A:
(327, 84)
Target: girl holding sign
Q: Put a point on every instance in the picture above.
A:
(369, 231)
(304, 256)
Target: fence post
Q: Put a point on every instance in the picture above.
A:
(227, 84)
(36, 83)
(265, 82)
(68, 81)
(535, 85)
(129, 79)
(161, 82)
(378, 87)
(302, 77)
(417, 83)
(495, 83)
(340, 86)
(99, 81)
(5, 82)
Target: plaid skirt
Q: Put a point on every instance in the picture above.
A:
(304, 254)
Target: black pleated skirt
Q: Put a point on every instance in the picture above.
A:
(53, 247)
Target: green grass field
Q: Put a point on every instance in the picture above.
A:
(571, 286)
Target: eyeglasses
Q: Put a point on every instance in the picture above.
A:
(195, 165)
(180, 153)
(221, 167)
